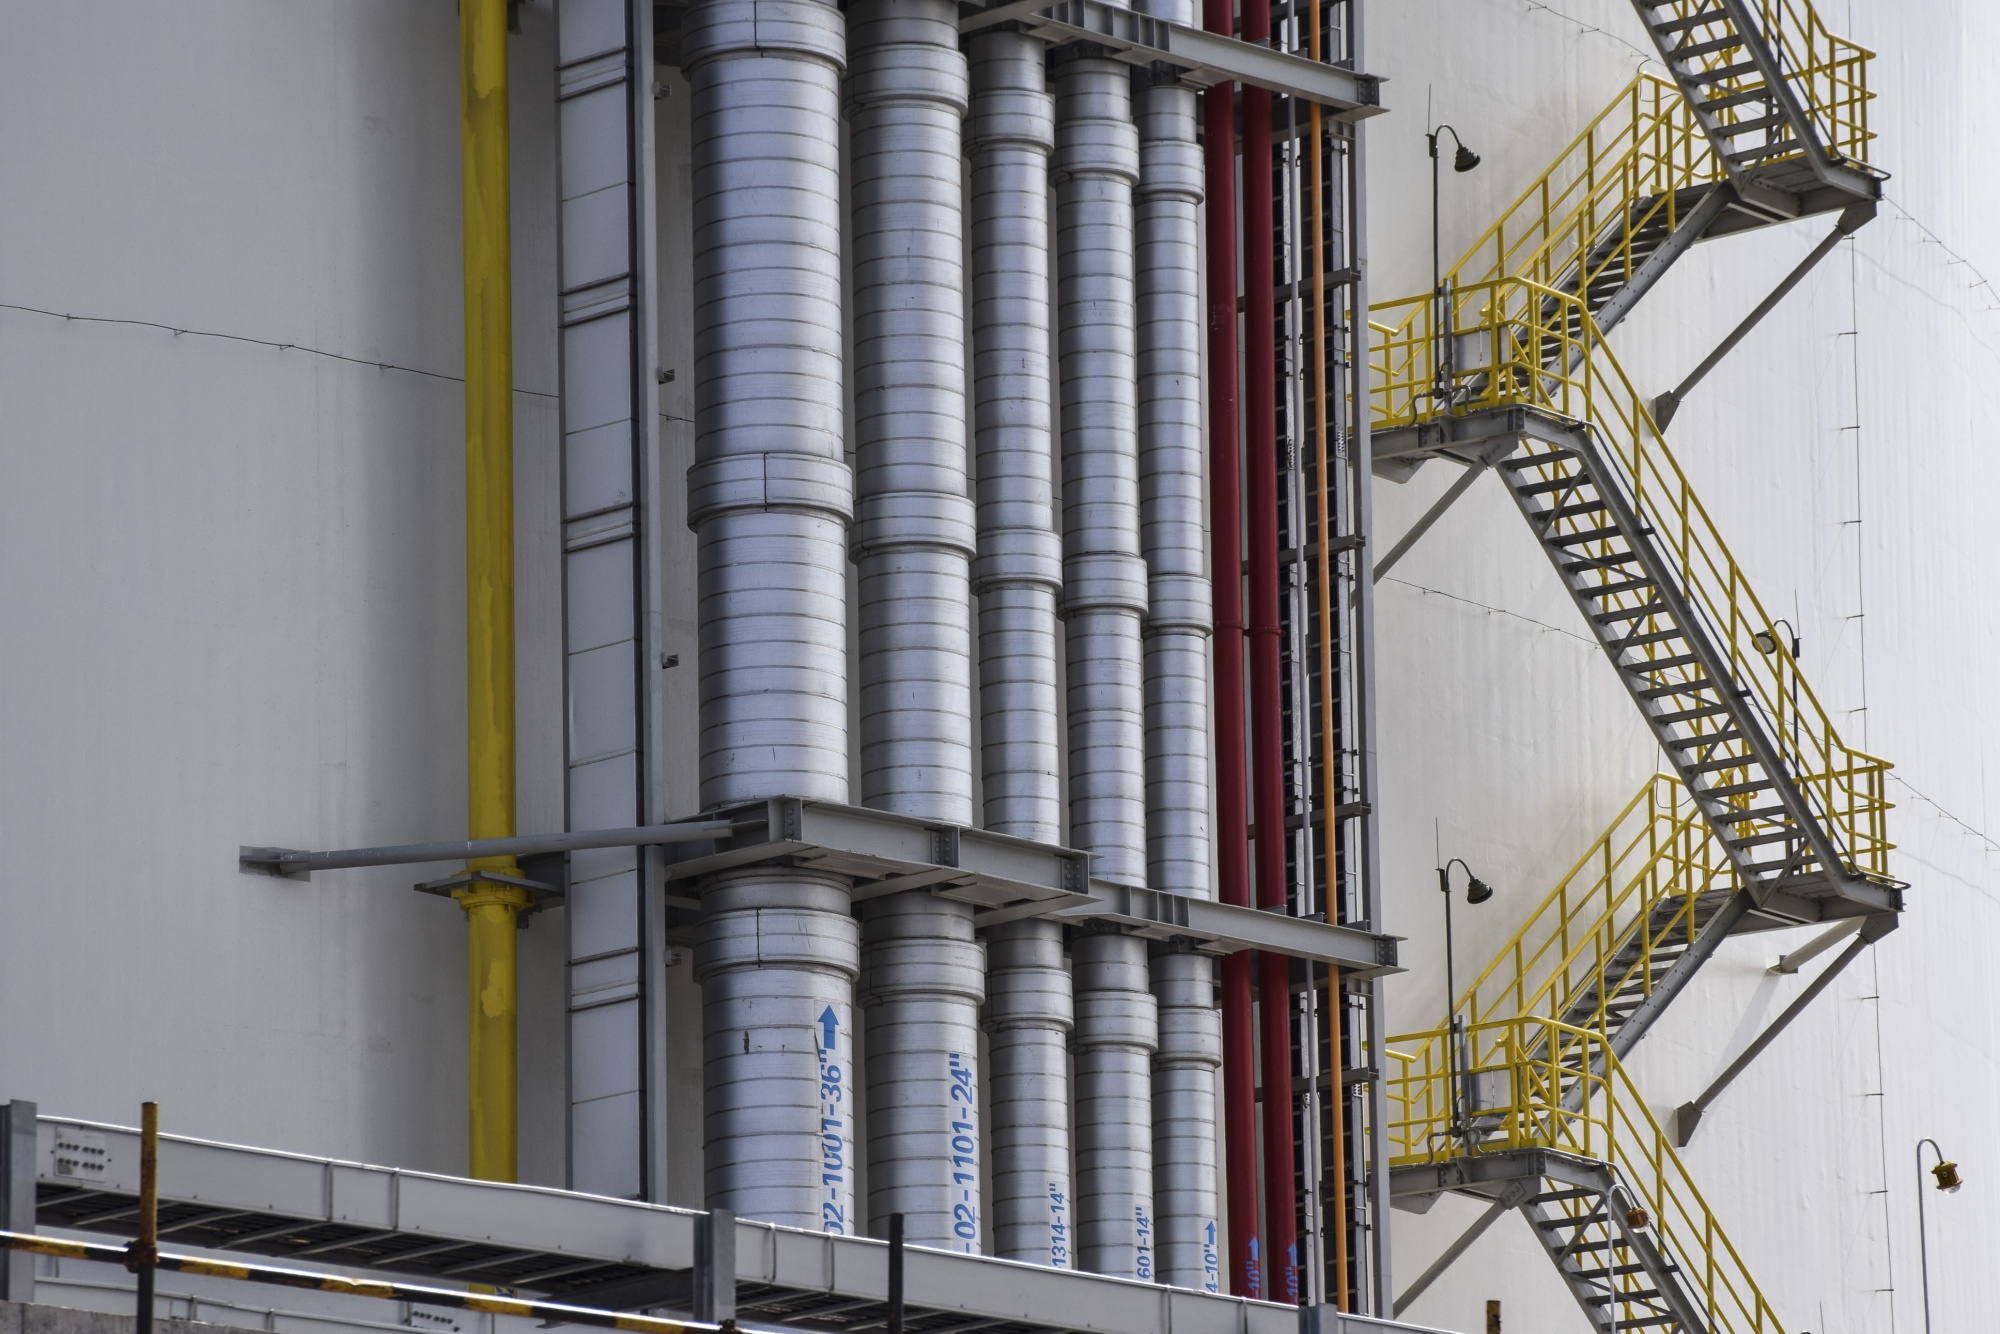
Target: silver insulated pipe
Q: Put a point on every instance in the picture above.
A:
(1104, 599)
(769, 498)
(1172, 514)
(1018, 576)
(913, 542)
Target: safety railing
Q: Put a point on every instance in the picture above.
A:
(1826, 72)
(1627, 174)
(1641, 886)
(1524, 344)
(1546, 1085)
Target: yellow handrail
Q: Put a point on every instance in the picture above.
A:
(1827, 73)
(1627, 171)
(1525, 344)
(1546, 1085)
(1639, 887)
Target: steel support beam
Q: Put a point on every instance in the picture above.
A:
(1851, 219)
(1688, 1115)
(1434, 513)
(17, 1196)
(1201, 59)
(1449, 1256)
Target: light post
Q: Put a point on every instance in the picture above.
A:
(1476, 891)
(1948, 1181)
(1462, 161)
(1767, 644)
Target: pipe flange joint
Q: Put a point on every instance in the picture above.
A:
(905, 71)
(777, 917)
(1180, 602)
(770, 481)
(1105, 581)
(1018, 556)
(928, 520)
(1116, 1019)
(1096, 147)
(1027, 998)
(922, 966)
(799, 29)
(1169, 167)
(1012, 116)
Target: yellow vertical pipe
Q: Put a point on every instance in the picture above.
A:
(491, 909)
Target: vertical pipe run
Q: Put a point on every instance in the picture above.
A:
(913, 543)
(769, 498)
(491, 908)
(1105, 598)
(1018, 576)
(1281, 1282)
(1231, 779)
(1329, 788)
(1177, 672)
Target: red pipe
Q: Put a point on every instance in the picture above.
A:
(1274, 984)
(1239, 1093)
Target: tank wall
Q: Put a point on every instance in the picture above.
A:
(229, 578)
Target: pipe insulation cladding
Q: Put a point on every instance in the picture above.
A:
(913, 543)
(1018, 576)
(1105, 599)
(1180, 608)
(770, 497)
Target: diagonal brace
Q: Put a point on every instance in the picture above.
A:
(1689, 1114)
(1850, 221)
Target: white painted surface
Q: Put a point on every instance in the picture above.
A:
(229, 577)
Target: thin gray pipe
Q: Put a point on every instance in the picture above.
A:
(769, 498)
(1105, 599)
(1018, 576)
(285, 861)
(923, 975)
(1173, 532)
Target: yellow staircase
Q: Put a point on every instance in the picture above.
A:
(1769, 818)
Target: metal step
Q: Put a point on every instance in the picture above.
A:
(1689, 715)
(1681, 688)
(1643, 665)
(1703, 19)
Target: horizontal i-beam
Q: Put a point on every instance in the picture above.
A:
(1203, 58)
(297, 864)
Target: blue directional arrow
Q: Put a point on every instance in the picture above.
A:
(1211, 1234)
(828, 1026)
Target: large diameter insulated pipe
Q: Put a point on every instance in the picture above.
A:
(1274, 1009)
(1018, 576)
(769, 497)
(491, 907)
(1177, 676)
(1239, 1093)
(1104, 597)
(913, 543)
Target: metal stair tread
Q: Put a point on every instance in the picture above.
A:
(1631, 614)
(1643, 665)
(1689, 715)
(1676, 688)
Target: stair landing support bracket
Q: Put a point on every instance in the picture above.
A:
(1851, 220)
(1689, 1114)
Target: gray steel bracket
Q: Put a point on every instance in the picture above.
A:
(18, 1160)
(715, 1266)
(1201, 58)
